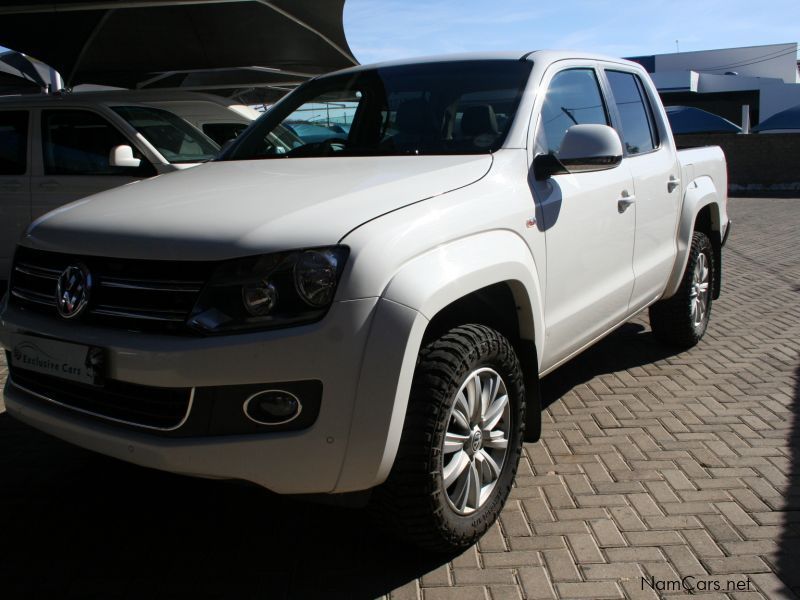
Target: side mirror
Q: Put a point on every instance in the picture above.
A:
(584, 148)
(122, 156)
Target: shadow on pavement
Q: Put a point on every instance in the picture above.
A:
(629, 346)
(788, 559)
(80, 525)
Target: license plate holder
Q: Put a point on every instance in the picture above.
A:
(65, 360)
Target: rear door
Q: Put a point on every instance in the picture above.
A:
(15, 201)
(589, 241)
(653, 163)
(75, 149)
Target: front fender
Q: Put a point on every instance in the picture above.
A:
(418, 291)
(699, 193)
(434, 280)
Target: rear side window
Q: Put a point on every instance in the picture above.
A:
(573, 98)
(79, 142)
(638, 128)
(13, 142)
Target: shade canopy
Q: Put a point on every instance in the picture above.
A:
(687, 120)
(786, 120)
(187, 44)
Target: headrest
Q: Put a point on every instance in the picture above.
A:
(479, 119)
(416, 117)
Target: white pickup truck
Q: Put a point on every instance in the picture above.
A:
(371, 312)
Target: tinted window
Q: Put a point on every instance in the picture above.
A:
(638, 133)
(79, 142)
(573, 98)
(13, 142)
(174, 138)
(458, 107)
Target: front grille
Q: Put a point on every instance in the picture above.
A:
(132, 294)
(143, 406)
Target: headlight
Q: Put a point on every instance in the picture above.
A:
(273, 290)
(316, 275)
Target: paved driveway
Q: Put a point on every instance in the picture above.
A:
(681, 470)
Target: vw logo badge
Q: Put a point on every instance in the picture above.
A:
(477, 440)
(72, 290)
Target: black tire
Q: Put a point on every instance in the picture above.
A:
(413, 501)
(672, 319)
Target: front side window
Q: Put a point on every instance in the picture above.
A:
(175, 139)
(458, 107)
(573, 98)
(638, 130)
(79, 142)
(13, 142)
(326, 119)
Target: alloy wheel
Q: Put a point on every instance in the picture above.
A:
(476, 441)
(700, 289)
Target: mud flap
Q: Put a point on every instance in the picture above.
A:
(533, 396)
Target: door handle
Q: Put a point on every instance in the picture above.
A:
(624, 202)
(673, 183)
(49, 185)
(13, 186)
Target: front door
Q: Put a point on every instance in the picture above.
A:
(75, 149)
(589, 241)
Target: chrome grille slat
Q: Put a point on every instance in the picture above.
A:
(35, 271)
(31, 296)
(138, 314)
(188, 287)
(127, 293)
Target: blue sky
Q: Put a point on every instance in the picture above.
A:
(387, 29)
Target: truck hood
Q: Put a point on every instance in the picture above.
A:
(224, 210)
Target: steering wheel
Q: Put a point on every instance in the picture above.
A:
(322, 148)
(334, 144)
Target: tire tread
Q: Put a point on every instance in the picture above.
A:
(410, 502)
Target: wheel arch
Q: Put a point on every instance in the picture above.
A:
(505, 307)
(701, 211)
(459, 279)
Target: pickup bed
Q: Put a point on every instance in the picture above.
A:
(371, 311)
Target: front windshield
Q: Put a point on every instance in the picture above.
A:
(174, 138)
(458, 107)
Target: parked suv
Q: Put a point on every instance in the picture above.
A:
(371, 311)
(221, 119)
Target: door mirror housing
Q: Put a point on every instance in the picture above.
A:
(122, 156)
(585, 148)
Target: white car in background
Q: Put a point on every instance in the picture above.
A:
(219, 118)
(60, 148)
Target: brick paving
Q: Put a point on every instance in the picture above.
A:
(654, 466)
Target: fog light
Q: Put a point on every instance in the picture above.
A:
(272, 407)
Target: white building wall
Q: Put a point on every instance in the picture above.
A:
(771, 70)
(776, 61)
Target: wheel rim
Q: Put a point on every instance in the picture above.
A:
(699, 292)
(476, 440)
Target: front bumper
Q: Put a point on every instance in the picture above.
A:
(292, 462)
